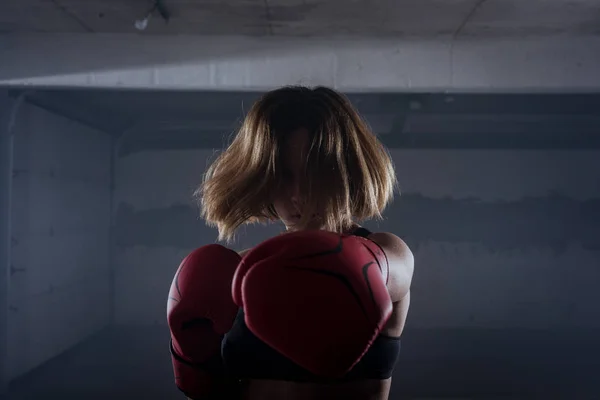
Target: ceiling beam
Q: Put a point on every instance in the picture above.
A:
(422, 140)
(502, 104)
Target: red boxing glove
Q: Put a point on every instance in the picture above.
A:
(317, 297)
(200, 311)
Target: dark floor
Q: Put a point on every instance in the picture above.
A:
(123, 363)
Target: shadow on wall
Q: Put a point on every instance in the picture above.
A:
(553, 221)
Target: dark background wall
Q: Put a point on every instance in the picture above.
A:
(60, 214)
(504, 297)
(500, 203)
(502, 238)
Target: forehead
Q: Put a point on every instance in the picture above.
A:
(296, 140)
(295, 148)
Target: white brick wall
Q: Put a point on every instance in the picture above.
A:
(468, 283)
(59, 288)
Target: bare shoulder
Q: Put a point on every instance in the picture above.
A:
(392, 245)
(242, 253)
(401, 263)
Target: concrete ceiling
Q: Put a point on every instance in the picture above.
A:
(309, 17)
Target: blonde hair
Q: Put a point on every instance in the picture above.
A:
(349, 173)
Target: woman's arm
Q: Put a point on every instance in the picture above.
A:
(401, 263)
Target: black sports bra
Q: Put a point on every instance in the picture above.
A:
(247, 357)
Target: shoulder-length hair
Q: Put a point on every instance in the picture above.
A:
(349, 175)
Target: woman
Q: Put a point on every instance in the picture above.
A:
(303, 157)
